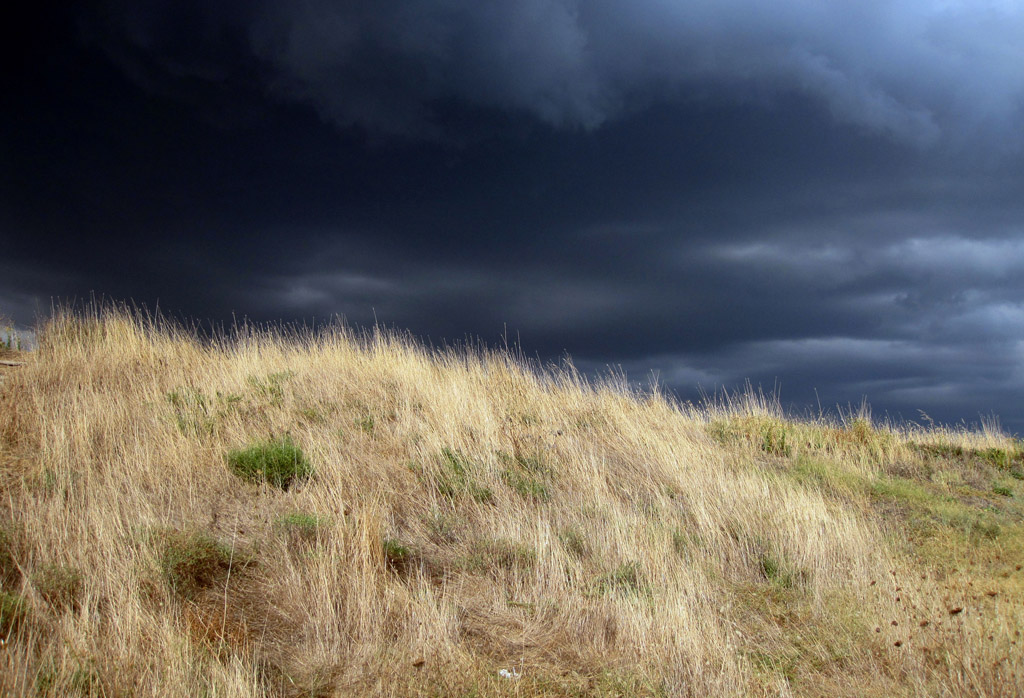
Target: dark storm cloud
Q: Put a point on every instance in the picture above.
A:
(917, 71)
(824, 197)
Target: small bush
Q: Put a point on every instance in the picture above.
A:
(276, 461)
(193, 562)
(1003, 491)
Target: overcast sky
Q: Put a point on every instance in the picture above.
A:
(826, 197)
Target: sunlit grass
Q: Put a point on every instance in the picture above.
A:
(282, 515)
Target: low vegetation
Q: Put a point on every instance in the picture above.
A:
(335, 515)
(278, 462)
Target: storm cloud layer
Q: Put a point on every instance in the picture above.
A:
(919, 71)
(824, 197)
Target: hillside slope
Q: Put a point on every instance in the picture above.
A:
(330, 515)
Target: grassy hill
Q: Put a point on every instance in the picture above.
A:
(300, 515)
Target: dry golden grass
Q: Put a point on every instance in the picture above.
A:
(466, 515)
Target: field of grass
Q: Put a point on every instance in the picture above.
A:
(274, 514)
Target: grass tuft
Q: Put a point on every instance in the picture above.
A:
(191, 562)
(278, 462)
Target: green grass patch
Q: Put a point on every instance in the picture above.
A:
(529, 475)
(191, 562)
(278, 462)
(927, 511)
(777, 571)
(827, 476)
(775, 440)
(197, 414)
(767, 434)
(454, 477)
(313, 415)
(903, 490)
(271, 386)
(192, 411)
(302, 528)
(397, 556)
(1006, 459)
(940, 450)
(366, 424)
(1003, 491)
(626, 579)
(302, 521)
(526, 486)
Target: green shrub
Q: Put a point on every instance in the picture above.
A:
(191, 562)
(1003, 491)
(276, 461)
